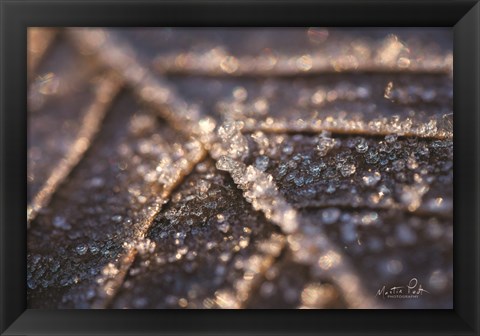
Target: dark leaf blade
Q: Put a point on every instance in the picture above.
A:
(199, 246)
(98, 216)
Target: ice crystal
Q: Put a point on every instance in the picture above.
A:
(371, 179)
(361, 146)
(325, 144)
(347, 169)
(261, 162)
(81, 249)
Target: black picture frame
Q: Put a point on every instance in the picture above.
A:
(17, 15)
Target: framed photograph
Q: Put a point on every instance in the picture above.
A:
(189, 162)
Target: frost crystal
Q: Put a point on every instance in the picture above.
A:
(81, 249)
(371, 179)
(262, 162)
(225, 163)
(325, 144)
(347, 169)
(361, 146)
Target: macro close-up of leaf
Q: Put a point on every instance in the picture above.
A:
(240, 168)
